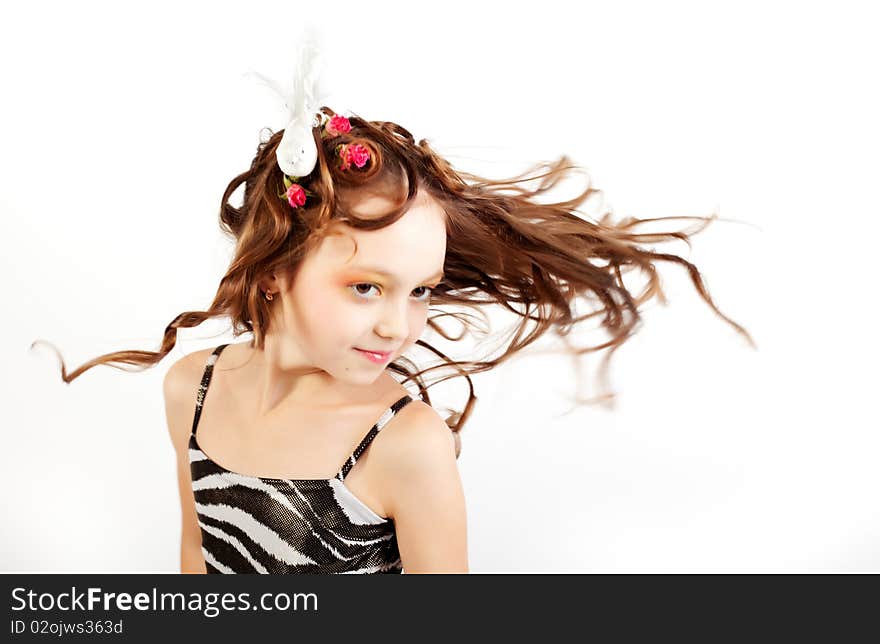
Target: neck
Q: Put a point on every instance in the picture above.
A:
(283, 376)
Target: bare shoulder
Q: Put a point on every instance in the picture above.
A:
(416, 439)
(180, 388)
(184, 374)
(421, 486)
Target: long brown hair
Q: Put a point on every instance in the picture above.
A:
(504, 247)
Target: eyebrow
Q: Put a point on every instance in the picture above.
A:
(391, 277)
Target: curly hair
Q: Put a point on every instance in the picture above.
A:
(504, 247)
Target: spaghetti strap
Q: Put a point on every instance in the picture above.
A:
(387, 415)
(203, 387)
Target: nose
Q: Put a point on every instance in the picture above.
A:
(394, 323)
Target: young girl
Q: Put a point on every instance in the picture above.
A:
(301, 450)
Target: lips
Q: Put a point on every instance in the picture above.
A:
(381, 355)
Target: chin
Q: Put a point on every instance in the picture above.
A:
(365, 377)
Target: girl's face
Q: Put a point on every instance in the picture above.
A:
(342, 303)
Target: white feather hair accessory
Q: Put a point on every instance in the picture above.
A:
(297, 153)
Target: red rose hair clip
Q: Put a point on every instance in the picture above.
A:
(348, 153)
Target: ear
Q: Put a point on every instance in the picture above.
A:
(269, 283)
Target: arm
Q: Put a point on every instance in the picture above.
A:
(424, 492)
(180, 387)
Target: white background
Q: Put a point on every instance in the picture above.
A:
(123, 123)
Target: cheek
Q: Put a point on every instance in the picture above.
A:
(417, 320)
(328, 316)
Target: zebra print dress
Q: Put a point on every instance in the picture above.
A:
(254, 524)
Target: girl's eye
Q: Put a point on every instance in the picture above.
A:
(427, 290)
(361, 293)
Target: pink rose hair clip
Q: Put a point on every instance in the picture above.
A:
(348, 153)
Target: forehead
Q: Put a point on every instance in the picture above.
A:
(413, 247)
